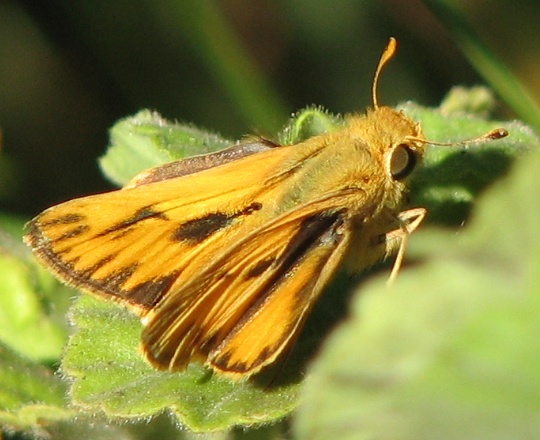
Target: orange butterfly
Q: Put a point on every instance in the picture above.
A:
(223, 255)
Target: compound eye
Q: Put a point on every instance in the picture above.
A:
(402, 162)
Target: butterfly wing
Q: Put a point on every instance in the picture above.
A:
(248, 306)
(135, 244)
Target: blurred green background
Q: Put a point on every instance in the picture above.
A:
(69, 70)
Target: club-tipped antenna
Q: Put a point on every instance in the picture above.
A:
(493, 135)
(386, 56)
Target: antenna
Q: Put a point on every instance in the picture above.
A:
(386, 56)
(497, 133)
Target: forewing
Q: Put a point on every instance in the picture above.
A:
(136, 244)
(246, 307)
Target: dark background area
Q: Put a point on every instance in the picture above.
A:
(69, 70)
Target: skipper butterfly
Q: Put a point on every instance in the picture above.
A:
(223, 255)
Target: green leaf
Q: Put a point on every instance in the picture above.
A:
(32, 335)
(32, 304)
(110, 374)
(451, 351)
(307, 123)
(31, 396)
(99, 428)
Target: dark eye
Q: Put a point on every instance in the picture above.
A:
(402, 162)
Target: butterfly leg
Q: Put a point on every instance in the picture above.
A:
(408, 222)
